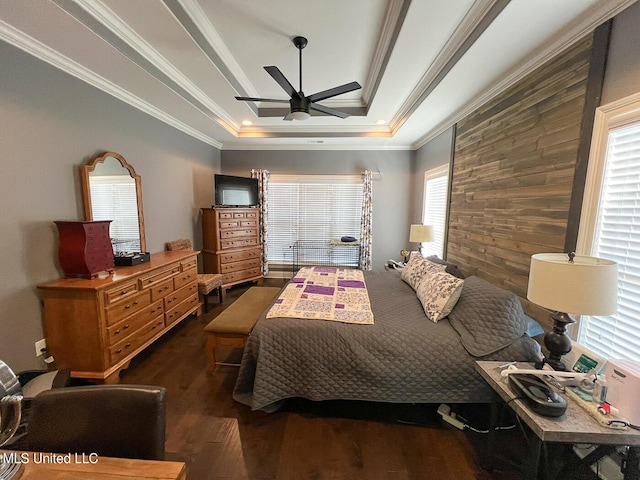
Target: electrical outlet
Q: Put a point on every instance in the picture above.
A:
(41, 347)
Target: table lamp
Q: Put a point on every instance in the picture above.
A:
(419, 234)
(569, 283)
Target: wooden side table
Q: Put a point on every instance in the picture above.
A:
(38, 466)
(575, 426)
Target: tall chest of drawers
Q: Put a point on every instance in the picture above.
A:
(96, 326)
(231, 244)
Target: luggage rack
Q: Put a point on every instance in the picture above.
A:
(331, 253)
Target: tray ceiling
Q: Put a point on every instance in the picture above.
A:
(423, 64)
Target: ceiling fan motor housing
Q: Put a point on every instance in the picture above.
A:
(300, 104)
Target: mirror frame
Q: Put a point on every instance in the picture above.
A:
(89, 167)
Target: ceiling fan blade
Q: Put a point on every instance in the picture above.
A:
(332, 92)
(282, 80)
(253, 99)
(288, 117)
(327, 110)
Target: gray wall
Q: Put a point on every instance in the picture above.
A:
(391, 195)
(433, 154)
(50, 123)
(622, 77)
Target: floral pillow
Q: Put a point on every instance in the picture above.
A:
(418, 267)
(438, 292)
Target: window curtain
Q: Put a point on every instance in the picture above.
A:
(263, 186)
(365, 225)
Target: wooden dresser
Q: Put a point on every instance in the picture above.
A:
(95, 327)
(231, 244)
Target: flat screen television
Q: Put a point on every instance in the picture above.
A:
(231, 191)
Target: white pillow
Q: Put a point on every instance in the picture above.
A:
(417, 268)
(438, 292)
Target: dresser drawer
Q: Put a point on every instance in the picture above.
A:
(243, 232)
(129, 345)
(239, 243)
(181, 309)
(235, 266)
(189, 264)
(170, 301)
(240, 256)
(249, 223)
(226, 225)
(185, 277)
(158, 276)
(131, 325)
(121, 292)
(225, 215)
(131, 305)
(241, 275)
(161, 290)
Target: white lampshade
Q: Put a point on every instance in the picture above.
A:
(421, 233)
(588, 285)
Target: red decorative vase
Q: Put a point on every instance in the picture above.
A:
(85, 248)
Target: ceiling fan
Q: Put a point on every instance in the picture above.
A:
(301, 104)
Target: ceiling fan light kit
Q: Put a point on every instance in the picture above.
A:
(301, 105)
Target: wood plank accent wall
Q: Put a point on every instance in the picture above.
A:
(512, 174)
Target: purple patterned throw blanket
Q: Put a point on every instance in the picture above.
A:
(325, 293)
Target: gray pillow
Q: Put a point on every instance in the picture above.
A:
(486, 317)
(450, 268)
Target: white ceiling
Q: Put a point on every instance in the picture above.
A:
(423, 64)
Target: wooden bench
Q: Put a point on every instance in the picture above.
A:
(232, 327)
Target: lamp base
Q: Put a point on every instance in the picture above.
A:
(557, 342)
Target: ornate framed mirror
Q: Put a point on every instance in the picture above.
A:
(112, 190)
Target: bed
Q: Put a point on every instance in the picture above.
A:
(402, 357)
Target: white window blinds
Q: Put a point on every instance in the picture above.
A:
(617, 237)
(311, 208)
(114, 197)
(435, 208)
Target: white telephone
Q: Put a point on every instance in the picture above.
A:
(391, 263)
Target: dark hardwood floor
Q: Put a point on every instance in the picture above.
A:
(219, 438)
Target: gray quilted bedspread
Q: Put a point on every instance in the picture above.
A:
(402, 358)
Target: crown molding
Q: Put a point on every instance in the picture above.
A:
(391, 26)
(210, 40)
(154, 63)
(315, 146)
(572, 33)
(37, 49)
(478, 18)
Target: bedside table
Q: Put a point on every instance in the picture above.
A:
(575, 426)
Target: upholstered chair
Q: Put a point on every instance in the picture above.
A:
(126, 421)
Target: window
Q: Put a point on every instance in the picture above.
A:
(312, 209)
(610, 226)
(435, 208)
(114, 197)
